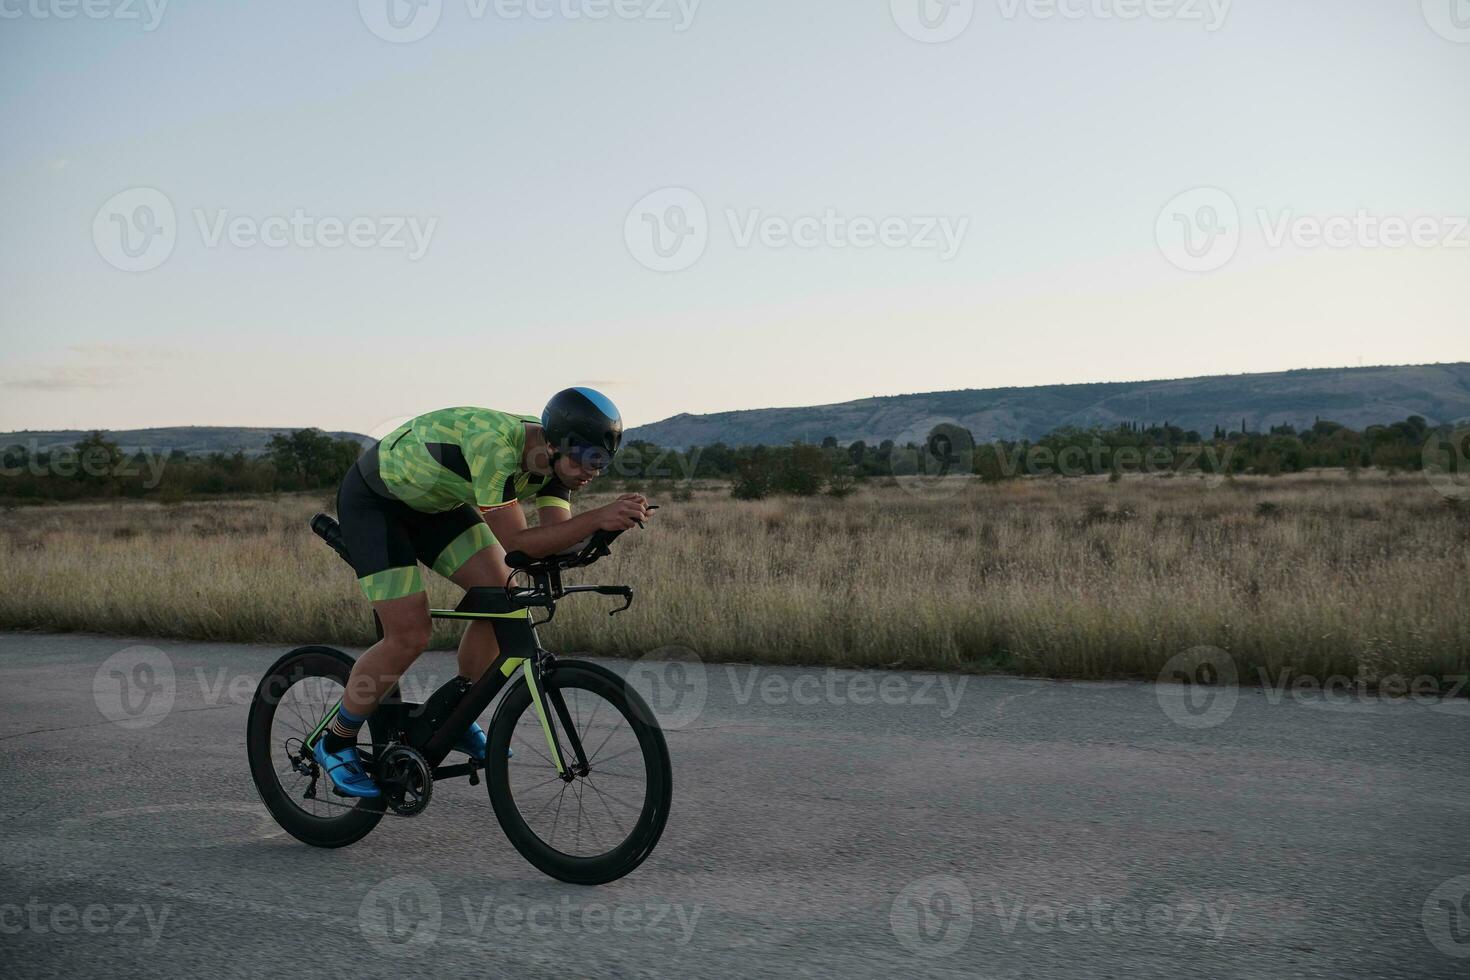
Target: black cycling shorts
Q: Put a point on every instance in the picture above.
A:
(386, 539)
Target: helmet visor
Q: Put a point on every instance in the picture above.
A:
(589, 457)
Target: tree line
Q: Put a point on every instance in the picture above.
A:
(309, 459)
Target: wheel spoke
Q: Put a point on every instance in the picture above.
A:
(603, 798)
(608, 811)
(291, 723)
(632, 748)
(623, 802)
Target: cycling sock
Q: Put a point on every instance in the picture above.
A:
(342, 732)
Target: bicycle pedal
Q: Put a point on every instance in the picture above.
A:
(474, 776)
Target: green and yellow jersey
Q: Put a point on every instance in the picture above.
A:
(456, 456)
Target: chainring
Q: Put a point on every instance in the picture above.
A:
(407, 780)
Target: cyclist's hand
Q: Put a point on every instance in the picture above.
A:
(628, 511)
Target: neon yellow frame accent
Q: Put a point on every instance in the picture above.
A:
(561, 769)
(326, 720)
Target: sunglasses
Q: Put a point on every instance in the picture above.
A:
(589, 457)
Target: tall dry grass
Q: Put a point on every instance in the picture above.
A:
(1321, 574)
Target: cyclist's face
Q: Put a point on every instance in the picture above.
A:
(573, 474)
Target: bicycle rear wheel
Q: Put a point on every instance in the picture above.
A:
(599, 824)
(290, 703)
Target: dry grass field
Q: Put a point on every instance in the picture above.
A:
(1321, 574)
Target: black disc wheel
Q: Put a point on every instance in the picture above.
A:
(290, 703)
(595, 823)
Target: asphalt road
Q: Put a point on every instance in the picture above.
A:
(825, 824)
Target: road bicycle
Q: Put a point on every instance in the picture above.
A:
(577, 767)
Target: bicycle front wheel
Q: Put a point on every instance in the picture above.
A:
(591, 826)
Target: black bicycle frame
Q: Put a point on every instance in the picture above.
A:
(508, 612)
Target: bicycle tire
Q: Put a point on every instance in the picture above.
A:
(357, 819)
(599, 869)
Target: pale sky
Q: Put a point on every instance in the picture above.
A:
(991, 209)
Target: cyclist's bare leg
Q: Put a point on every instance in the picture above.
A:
(478, 647)
(406, 629)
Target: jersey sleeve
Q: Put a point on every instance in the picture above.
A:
(493, 462)
(554, 494)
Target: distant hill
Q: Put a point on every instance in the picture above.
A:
(1356, 397)
(191, 439)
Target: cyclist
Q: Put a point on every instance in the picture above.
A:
(445, 489)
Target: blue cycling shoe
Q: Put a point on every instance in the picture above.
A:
(344, 769)
(473, 742)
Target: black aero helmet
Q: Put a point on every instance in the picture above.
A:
(583, 424)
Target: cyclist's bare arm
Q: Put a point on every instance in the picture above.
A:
(508, 524)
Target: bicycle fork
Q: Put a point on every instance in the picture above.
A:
(548, 701)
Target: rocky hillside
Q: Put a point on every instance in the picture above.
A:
(1356, 397)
